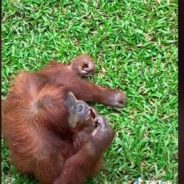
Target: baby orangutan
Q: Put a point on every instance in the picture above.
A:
(50, 130)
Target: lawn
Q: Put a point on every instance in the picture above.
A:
(134, 45)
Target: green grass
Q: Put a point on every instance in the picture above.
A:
(134, 44)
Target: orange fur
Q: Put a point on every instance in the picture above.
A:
(35, 124)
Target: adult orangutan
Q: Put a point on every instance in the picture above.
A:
(51, 131)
